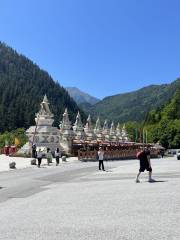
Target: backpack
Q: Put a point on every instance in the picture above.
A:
(139, 154)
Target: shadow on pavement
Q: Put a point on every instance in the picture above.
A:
(157, 181)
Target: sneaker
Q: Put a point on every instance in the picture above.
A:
(137, 181)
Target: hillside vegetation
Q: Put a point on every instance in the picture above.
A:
(163, 124)
(22, 87)
(133, 106)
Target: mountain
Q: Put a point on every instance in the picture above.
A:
(81, 97)
(22, 87)
(133, 106)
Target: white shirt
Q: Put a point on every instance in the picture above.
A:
(57, 154)
(39, 154)
(101, 155)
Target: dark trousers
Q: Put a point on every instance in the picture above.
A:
(39, 162)
(34, 153)
(57, 160)
(101, 164)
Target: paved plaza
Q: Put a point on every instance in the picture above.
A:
(21, 162)
(76, 201)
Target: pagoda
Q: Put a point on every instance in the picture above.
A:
(106, 131)
(78, 128)
(112, 133)
(44, 134)
(88, 129)
(98, 131)
(124, 134)
(118, 133)
(66, 133)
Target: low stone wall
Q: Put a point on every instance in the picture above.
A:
(111, 155)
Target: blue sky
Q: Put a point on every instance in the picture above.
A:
(103, 47)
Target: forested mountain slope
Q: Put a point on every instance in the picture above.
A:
(163, 125)
(133, 106)
(22, 87)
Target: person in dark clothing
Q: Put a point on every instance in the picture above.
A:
(57, 156)
(101, 158)
(34, 152)
(162, 153)
(49, 156)
(145, 164)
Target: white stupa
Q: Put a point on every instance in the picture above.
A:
(118, 133)
(89, 130)
(44, 134)
(98, 130)
(66, 133)
(112, 133)
(106, 131)
(78, 128)
(124, 133)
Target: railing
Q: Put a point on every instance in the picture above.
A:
(112, 155)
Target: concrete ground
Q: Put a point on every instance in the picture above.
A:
(76, 201)
(22, 162)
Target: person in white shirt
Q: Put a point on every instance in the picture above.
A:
(39, 157)
(101, 158)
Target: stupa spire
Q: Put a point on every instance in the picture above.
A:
(65, 124)
(45, 99)
(124, 133)
(78, 128)
(44, 116)
(97, 126)
(105, 131)
(98, 130)
(88, 129)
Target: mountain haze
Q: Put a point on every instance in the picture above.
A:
(81, 97)
(22, 87)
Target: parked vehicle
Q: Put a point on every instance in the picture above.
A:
(178, 155)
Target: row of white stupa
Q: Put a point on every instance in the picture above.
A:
(87, 132)
(44, 134)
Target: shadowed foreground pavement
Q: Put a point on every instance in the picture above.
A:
(75, 201)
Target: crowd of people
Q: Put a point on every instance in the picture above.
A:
(38, 154)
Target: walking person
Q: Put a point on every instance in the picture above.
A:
(145, 164)
(57, 156)
(49, 156)
(34, 152)
(162, 153)
(39, 157)
(101, 158)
